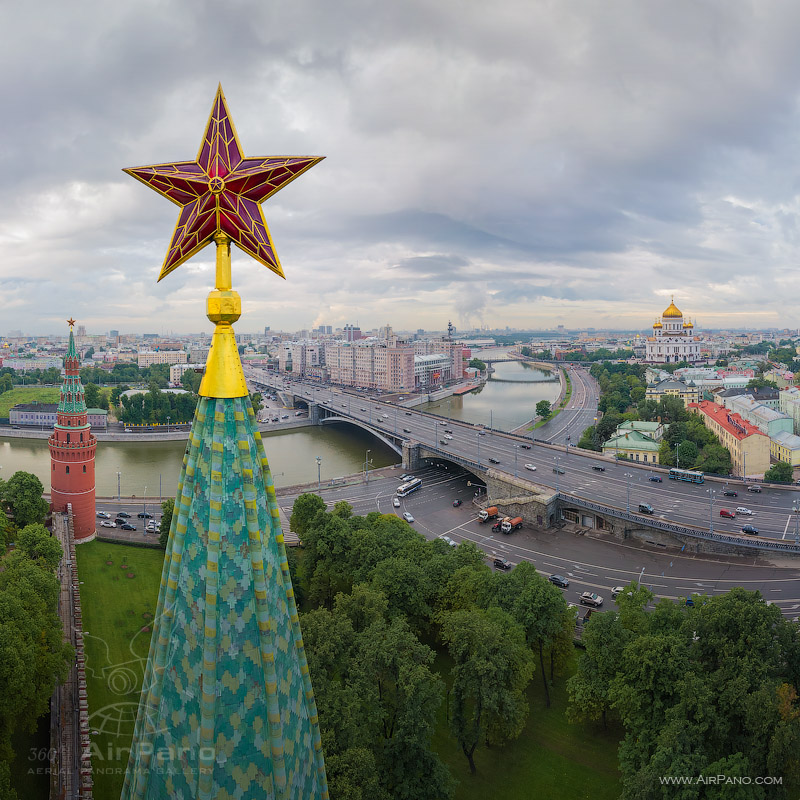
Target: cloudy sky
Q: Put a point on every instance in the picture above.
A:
(512, 163)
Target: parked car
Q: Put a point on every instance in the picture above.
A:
(103, 515)
(591, 599)
(655, 478)
(120, 520)
(559, 580)
(531, 467)
(107, 523)
(723, 512)
(123, 514)
(502, 563)
(396, 502)
(407, 516)
(598, 468)
(456, 503)
(144, 515)
(126, 526)
(754, 489)
(751, 529)
(743, 510)
(449, 541)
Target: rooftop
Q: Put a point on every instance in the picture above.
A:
(732, 423)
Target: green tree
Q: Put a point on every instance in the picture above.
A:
(91, 395)
(714, 458)
(305, 508)
(22, 494)
(687, 454)
(190, 380)
(88, 354)
(761, 383)
(36, 542)
(492, 669)
(167, 510)
(33, 655)
(543, 409)
(257, 401)
(476, 363)
(780, 472)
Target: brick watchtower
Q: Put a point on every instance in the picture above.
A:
(72, 449)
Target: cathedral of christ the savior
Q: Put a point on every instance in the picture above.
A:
(227, 710)
(673, 340)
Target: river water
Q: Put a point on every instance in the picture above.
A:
(509, 398)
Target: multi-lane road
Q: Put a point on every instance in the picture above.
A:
(621, 485)
(591, 563)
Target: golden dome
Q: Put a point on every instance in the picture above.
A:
(688, 324)
(657, 324)
(672, 311)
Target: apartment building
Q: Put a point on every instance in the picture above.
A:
(371, 364)
(749, 447)
(146, 358)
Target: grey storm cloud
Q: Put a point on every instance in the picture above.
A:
(521, 161)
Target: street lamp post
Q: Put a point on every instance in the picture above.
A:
(711, 493)
(594, 434)
(628, 501)
(319, 475)
(479, 450)
(144, 500)
(677, 458)
(119, 482)
(168, 419)
(516, 450)
(366, 466)
(558, 467)
(796, 509)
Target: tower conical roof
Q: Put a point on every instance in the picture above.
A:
(72, 400)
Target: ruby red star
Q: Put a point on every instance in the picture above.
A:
(222, 191)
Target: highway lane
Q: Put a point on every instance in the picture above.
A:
(678, 502)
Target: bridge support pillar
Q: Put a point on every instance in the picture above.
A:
(313, 414)
(411, 459)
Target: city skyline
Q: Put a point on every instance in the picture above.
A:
(526, 165)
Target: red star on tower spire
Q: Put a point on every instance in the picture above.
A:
(221, 191)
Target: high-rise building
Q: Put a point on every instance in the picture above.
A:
(72, 452)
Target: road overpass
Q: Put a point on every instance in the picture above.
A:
(572, 476)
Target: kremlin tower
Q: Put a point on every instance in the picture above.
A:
(72, 449)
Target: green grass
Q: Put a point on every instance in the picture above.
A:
(28, 394)
(116, 648)
(551, 758)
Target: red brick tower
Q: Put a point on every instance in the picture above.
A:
(72, 449)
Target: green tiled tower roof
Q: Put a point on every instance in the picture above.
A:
(227, 689)
(72, 401)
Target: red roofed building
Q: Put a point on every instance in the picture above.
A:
(748, 446)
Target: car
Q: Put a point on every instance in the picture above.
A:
(559, 471)
(396, 502)
(598, 468)
(407, 516)
(742, 510)
(409, 414)
(750, 529)
(502, 563)
(646, 508)
(103, 515)
(386, 416)
(442, 441)
(363, 409)
(120, 520)
(568, 438)
(730, 493)
(406, 430)
(572, 445)
(126, 526)
(144, 515)
(655, 479)
(525, 446)
(107, 523)
(446, 430)
(123, 514)
(497, 525)
(407, 477)
(344, 405)
(723, 512)
(448, 436)
(493, 461)
(754, 489)
(531, 467)
(284, 416)
(591, 599)
(456, 503)
(559, 580)
(446, 539)
(616, 591)
(451, 542)
(481, 433)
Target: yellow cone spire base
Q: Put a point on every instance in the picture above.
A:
(224, 376)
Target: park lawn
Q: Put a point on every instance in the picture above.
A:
(116, 648)
(551, 758)
(28, 394)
